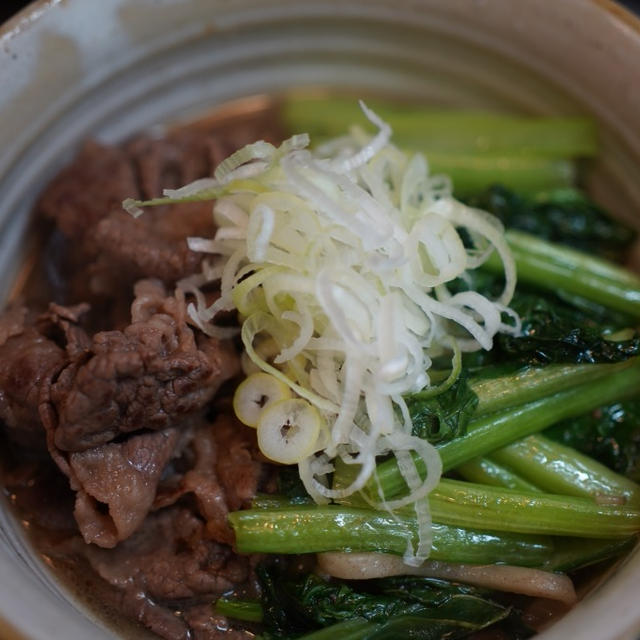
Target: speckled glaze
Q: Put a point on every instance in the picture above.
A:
(106, 68)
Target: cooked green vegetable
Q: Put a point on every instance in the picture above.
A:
(557, 327)
(552, 333)
(308, 529)
(570, 553)
(350, 630)
(527, 174)
(473, 133)
(247, 610)
(554, 266)
(610, 434)
(487, 471)
(492, 431)
(456, 504)
(412, 607)
(474, 149)
(531, 501)
(465, 504)
(566, 216)
(312, 529)
(557, 468)
(444, 416)
(506, 386)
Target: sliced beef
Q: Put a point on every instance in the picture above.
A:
(106, 248)
(81, 195)
(170, 559)
(12, 323)
(237, 466)
(139, 248)
(64, 325)
(223, 476)
(148, 376)
(168, 574)
(30, 355)
(155, 243)
(115, 413)
(162, 621)
(125, 403)
(143, 385)
(170, 163)
(26, 360)
(116, 485)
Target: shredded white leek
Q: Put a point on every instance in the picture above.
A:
(342, 261)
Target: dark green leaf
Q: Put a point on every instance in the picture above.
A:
(284, 612)
(564, 215)
(457, 618)
(432, 592)
(290, 485)
(444, 416)
(410, 607)
(553, 331)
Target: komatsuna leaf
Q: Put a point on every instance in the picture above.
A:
(457, 618)
(439, 418)
(553, 331)
(566, 216)
(396, 607)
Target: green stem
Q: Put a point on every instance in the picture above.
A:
(249, 610)
(557, 468)
(492, 431)
(465, 504)
(553, 266)
(277, 501)
(486, 471)
(570, 554)
(418, 128)
(474, 149)
(528, 384)
(471, 174)
(489, 508)
(338, 528)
